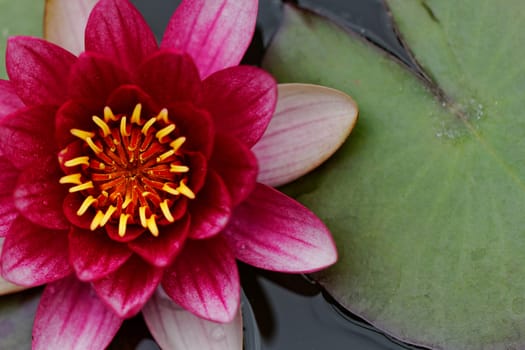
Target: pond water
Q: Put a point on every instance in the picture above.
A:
(289, 312)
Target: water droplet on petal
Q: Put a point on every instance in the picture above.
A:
(218, 333)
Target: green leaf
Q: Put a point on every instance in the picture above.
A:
(20, 17)
(426, 199)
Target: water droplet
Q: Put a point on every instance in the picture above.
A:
(218, 333)
(518, 305)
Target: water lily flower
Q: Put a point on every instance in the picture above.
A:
(127, 166)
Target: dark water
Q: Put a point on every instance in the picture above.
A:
(289, 312)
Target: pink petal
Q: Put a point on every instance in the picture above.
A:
(272, 231)
(8, 180)
(65, 22)
(175, 328)
(38, 70)
(93, 255)
(237, 166)
(33, 255)
(204, 280)
(215, 33)
(310, 123)
(94, 77)
(9, 100)
(25, 135)
(129, 288)
(241, 101)
(170, 77)
(211, 210)
(5, 286)
(39, 196)
(116, 29)
(70, 316)
(160, 251)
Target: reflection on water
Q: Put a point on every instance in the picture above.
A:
(288, 312)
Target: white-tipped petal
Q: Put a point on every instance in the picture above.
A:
(65, 22)
(310, 123)
(175, 328)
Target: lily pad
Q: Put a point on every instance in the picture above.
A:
(426, 199)
(21, 17)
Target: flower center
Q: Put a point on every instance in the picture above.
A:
(131, 171)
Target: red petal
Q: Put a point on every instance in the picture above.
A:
(204, 280)
(237, 166)
(25, 135)
(124, 99)
(38, 70)
(117, 30)
(73, 114)
(129, 288)
(9, 100)
(33, 255)
(8, 180)
(160, 251)
(171, 77)
(272, 231)
(216, 34)
(39, 196)
(132, 232)
(71, 317)
(199, 167)
(211, 210)
(93, 255)
(72, 203)
(94, 77)
(196, 125)
(241, 101)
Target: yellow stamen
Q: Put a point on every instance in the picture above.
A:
(96, 220)
(81, 187)
(179, 168)
(122, 223)
(82, 134)
(77, 161)
(170, 190)
(185, 190)
(142, 215)
(166, 210)
(71, 179)
(127, 202)
(135, 116)
(102, 125)
(148, 125)
(152, 226)
(85, 205)
(163, 115)
(162, 133)
(165, 155)
(123, 129)
(109, 213)
(108, 115)
(175, 144)
(92, 145)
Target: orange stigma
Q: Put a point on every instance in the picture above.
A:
(131, 170)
